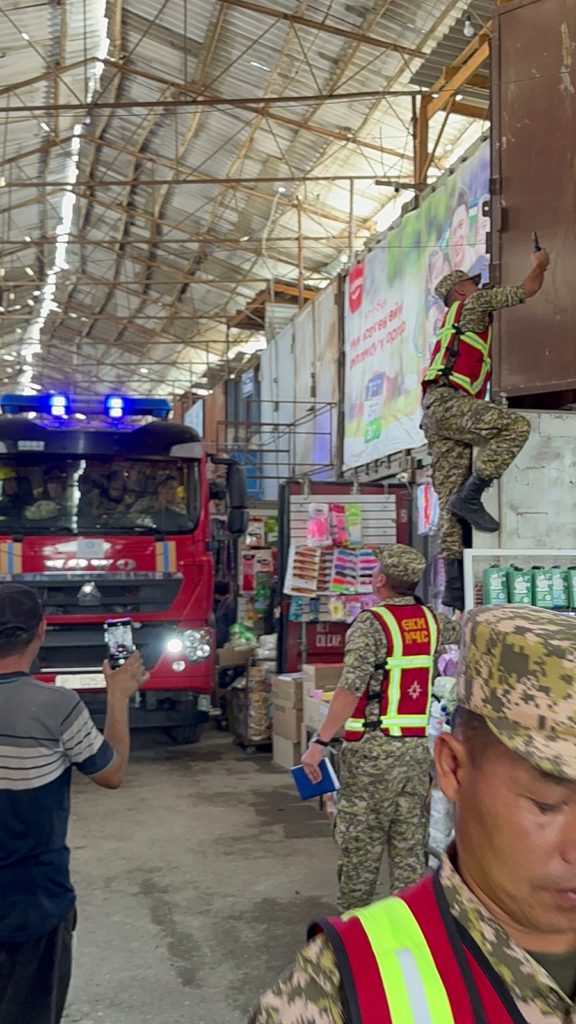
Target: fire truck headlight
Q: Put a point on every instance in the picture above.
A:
(175, 645)
(197, 644)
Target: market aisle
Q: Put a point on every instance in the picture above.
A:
(195, 885)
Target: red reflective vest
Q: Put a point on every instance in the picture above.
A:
(411, 632)
(465, 359)
(405, 960)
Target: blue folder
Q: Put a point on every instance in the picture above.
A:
(307, 790)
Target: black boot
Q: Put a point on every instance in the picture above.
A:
(467, 504)
(453, 596)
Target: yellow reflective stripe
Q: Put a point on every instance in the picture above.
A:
(388, 721)
(414, 989)
(414, 661)
(354, 725)
(395, 673)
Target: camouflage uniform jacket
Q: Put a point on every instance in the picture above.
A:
(366, 648)
(478, 307)
(310, 992)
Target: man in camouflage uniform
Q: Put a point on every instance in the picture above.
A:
(509, 882)
(455, 422)
(385, 779)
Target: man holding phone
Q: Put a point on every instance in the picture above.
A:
(44, 731)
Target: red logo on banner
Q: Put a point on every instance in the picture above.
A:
(356, 287)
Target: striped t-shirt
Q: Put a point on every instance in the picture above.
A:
(44, 730)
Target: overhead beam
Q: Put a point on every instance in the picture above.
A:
(271, 115)
(227, 182)
(197, 102)
(323, 26)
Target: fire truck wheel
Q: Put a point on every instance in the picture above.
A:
(185, 734)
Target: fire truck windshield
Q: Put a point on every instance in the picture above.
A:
(97, 495)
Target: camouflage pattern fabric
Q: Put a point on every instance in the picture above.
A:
(518, 670)
(384, 780)
(381, 808)
(311, 993)
(402, 562)
(478, 307)
(454, 423)
(449, 281)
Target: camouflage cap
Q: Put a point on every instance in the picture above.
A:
(518, 671)
(402, 562)
(449, 281)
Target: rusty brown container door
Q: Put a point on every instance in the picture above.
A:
(534, 164)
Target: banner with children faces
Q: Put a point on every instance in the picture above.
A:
(392, 315)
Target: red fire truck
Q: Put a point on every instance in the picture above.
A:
(104, 512)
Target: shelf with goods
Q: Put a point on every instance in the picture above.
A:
(256, 583)
(332, 575)
(523, 576)
(378, 528)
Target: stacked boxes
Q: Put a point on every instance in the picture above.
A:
(286, 719)
(319, 683)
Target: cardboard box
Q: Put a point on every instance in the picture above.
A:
(230, 657)
(287, 690)
(285, 753)
(287, 722)
(321, 677)
(315, 711)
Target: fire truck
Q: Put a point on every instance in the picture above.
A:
(104, 512)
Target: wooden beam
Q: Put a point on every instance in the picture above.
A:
(322, 26)
(421, 141)
(446, 95)
(470, 110)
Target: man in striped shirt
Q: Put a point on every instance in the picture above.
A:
(44, 731)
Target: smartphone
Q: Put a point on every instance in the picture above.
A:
(119, 641)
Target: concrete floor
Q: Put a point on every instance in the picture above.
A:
(195, 884)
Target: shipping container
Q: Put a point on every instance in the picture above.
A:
(533, 161)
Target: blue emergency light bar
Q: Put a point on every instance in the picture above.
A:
(61, 406)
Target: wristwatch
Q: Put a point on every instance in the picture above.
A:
(321, 743)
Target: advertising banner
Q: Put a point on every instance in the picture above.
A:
(392, 316)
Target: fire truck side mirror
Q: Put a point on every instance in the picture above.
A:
(236, 486)
(237, 500)
(237, 521)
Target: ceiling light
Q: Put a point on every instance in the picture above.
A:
(468, 29)
(27, 238)
(2, 309)
(2, 181)
(74, 316)
(257, 64)
(45, 127)
(9, 358)
(25, 36)
(29, 302)
(448, 147)
(144, 370)
(29, 271)
(11, 296)
(281, 189)
(12, 309)
(459, 97)
(245, 238)
(37, 293)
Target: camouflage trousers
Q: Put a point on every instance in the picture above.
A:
(381, 810)
(454, 424)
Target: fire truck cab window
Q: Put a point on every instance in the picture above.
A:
(98, 495)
